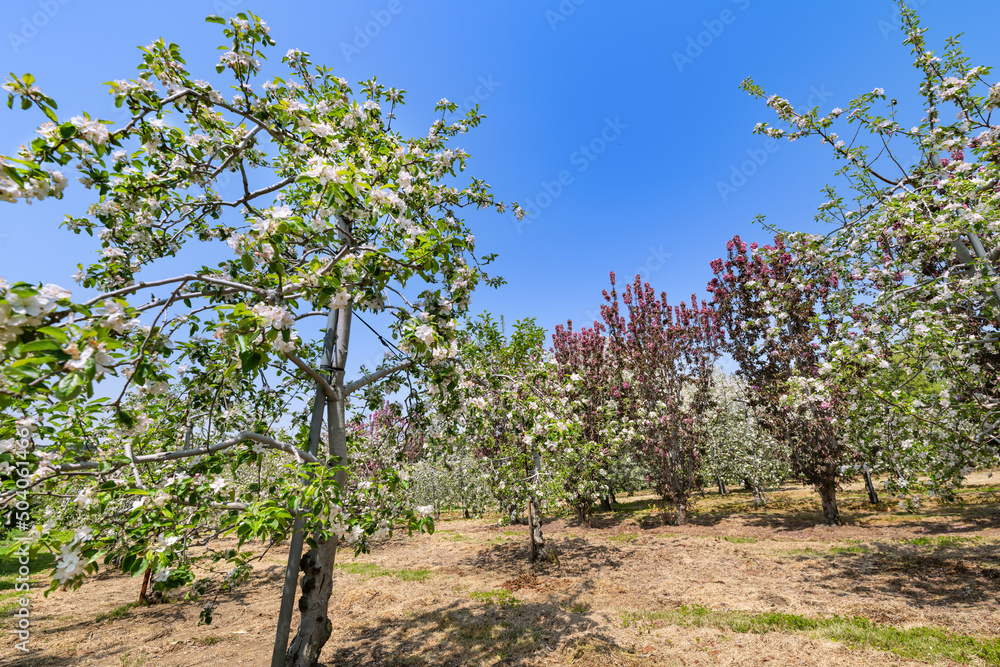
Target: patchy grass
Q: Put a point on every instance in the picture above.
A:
(624, 538)
(37, 565)
(735, 539)
(601, 653)
(919, 642)
(452, 536)
(942, 541)
(851, 550)
(829, 552)
(117, 613)
(371, 570)
(501, 597)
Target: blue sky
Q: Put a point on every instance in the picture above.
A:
(613, 122)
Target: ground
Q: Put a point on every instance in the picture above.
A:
(738, 586)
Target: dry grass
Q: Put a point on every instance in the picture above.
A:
(467, 595)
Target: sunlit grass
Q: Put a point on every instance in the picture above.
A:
(920, 642)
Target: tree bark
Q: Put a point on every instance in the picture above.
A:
(828, 494)
(145, 585)
(872, 493)
(605, 503)
(317, 565)
(682, 513)
(320, 405)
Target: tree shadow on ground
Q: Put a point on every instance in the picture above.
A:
(934, 574)
(177, 610)
(575, 554)
(512, 633)
(38, 658)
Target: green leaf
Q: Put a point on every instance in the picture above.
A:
(54, 332)
(40, 345)
(214, 18)
(250, 360)
(247, 262)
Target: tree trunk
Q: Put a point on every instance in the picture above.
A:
(145, 585)
(872, 494)
(759, 499)
(828, 494)
(682, 513)
(320, 405)
(721, 483)
(535, 530)
(317, 565)
(605, 504)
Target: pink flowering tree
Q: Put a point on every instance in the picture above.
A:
(304, 202)
(582, 359)
(916, 242)
(665, 356)
(770, 300)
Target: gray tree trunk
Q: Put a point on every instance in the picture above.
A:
(278, 655)
(872, 493)
(828, 494)
(317, 565)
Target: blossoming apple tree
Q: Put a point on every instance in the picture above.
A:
(160, 388)
(916, 243)
(517, 422)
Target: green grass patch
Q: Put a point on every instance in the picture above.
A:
(921, 642)
(942, 541)
(500, 597)
(624, 538)
(117, 613)
(452, 536)
(851, 550)
(735, 539)
(38, 565)
(370, 570)
(809, 552)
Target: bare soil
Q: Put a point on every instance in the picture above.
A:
(482, 603)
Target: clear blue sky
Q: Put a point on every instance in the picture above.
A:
(553, 79)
